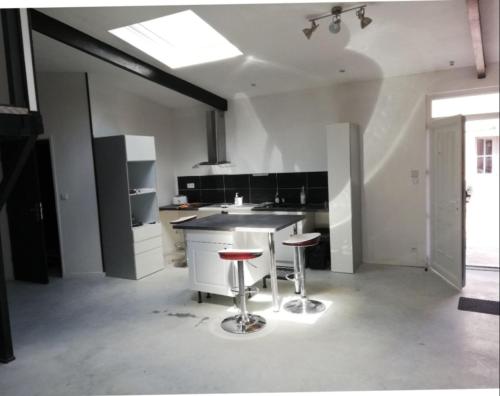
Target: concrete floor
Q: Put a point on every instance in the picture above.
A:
(385, 328)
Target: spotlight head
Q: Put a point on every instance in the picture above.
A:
(335, 25)
(309, 31)
(364, 21)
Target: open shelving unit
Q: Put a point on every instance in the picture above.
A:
(128, 205)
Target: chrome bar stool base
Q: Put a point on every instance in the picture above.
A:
(244, 322)
(305, 306)
(237, 325)
(302, 305)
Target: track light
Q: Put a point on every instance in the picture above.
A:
(335, 25)
(365, 21)
(309, 31)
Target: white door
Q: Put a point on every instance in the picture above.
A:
(447, 188)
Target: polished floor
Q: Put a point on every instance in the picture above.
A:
(385, 328)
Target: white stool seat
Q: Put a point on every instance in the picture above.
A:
(183, 219)
(303, 240)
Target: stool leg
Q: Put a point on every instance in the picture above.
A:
(241, 292)
(303, 304)
(296, 270)
(244, 322)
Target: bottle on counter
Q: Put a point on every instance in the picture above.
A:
(303, 196)
(277, 197)
(238, 201)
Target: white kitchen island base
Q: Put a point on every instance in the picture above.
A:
(209, 274)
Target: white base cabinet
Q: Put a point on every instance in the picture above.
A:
(209, 273)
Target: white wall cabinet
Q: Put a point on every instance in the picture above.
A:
(128, 207)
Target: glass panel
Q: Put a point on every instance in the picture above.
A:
(465, 105)
(480, 146)
(489, 146)
(488, 165)
(480, 164)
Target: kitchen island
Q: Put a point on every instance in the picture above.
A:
(206, 236)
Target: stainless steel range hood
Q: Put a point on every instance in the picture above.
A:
(216, 138)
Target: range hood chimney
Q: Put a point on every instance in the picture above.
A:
(216, 138)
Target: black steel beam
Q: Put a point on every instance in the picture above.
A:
(6, 349)
(14, 56)
(20, 125)
(68, 35)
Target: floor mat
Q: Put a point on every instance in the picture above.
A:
(481, 306)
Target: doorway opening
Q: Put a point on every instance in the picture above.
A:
(48, 200)
(481, 171)
(482, 194)
(32, 215)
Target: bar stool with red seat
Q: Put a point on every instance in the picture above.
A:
(303, 304)
(244, 322)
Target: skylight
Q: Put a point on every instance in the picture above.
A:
(178, 40)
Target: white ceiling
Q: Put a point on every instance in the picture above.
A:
(404, 38)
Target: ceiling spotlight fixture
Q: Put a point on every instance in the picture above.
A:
(335, 25)
(309, 31)
(335, 14)
(365, 21)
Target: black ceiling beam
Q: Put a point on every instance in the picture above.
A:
(66, 34)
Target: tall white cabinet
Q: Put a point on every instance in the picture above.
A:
(344, 191)
(128, 206)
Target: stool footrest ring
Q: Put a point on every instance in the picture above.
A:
(251, 290)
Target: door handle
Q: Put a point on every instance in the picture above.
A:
(38, 211)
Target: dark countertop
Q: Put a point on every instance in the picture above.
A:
(266, 208)
(192, 206)
(292, 208)
(244, 223)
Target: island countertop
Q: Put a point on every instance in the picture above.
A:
(245, 223)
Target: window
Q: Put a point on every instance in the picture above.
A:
(484, 150)
(178, 40)
(465, 105)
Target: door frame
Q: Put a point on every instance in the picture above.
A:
(428, 108)
(50, 139)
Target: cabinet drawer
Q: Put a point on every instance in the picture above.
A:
(148, 262)
(146, 231)
(147, 244)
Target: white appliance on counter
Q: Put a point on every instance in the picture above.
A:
(179, 200)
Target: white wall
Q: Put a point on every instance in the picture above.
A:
(117, 112)
(64, 108)
(286, 133)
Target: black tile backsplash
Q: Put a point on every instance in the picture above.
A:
(256, 188)
(292, 180)
(212, 195)
(192, 195)
(212, 182)
(258, 195)
(183, 181)
(236, 181)
(317, 179)
(265, 180)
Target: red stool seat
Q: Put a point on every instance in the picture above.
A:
(303, 240)
(239, 254)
